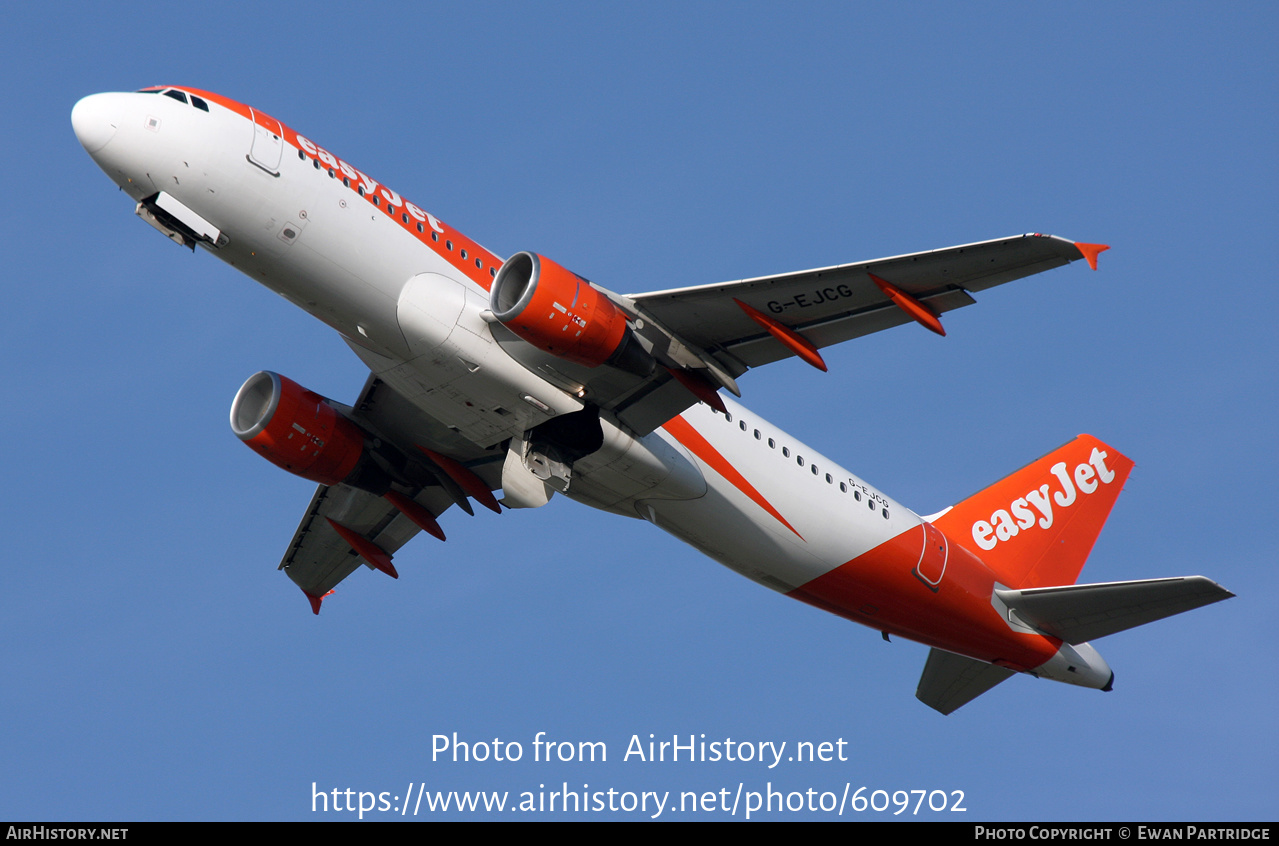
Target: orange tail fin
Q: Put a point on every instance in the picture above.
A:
(1037, 526)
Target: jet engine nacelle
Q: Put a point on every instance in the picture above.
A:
(296, 429)
(561, 313)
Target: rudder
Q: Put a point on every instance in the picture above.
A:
(1037, 526)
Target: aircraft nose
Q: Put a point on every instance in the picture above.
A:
(95, 120)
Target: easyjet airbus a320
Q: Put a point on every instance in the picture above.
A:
(521, 377)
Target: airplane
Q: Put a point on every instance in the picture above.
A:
(519, 376)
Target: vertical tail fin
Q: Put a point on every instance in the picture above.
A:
(1037, 526)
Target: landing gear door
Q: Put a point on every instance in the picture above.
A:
(268, 142)
(522, 485)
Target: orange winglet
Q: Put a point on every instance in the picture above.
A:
(791, 339)
(465, 478)
(920, 313)
(1090, 252)
(422, 518)
(368, 550)
(699, 388)
(315, 600)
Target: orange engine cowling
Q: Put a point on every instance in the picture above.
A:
(558, 311)
(296, 429)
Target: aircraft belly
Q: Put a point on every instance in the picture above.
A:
(628, 467)
(454, 370)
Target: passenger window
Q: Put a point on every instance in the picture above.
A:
(772, 444)
(785, 452)
(799, 459)
(742, 425)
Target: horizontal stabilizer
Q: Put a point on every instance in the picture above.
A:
(1080, 613)
(950, 680)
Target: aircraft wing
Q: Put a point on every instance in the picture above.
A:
(828, 305)
(319, 556)
(704, 337)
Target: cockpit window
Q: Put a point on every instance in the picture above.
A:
(180, 96)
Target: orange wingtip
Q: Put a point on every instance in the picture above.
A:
(315, 600)
(1091, 251)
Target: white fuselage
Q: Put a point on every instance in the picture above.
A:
(350, 264)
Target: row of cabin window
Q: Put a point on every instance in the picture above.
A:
(799, 459)
(404, 216)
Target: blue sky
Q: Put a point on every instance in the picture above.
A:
(157, 665)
